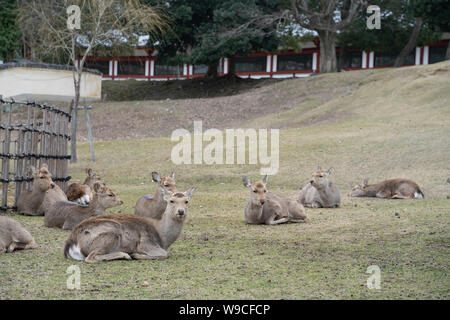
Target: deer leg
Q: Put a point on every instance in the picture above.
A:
(95, 257)
(282, 220)
(397, 196)
(154, 255)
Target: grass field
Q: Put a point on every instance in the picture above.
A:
(385, 124)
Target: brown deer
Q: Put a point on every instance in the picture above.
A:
(319, 192)
(13, 236)
(66, 214)
(29, 202)
(82, 192)
(51, 196)
(127, 236)
(265, 207)
(391, 189)
(154, 206)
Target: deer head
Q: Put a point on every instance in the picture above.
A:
(177, 203)
(168, 183)
(42, 178)
(319, 179)
(258, 190)
(359, 189)
(105, 196)
(92, 178)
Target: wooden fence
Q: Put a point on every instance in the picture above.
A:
(31, 134)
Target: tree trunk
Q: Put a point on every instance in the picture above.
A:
(327, 51)
(410, 45)
(212, 69)
(231, 67)
(447, 53)
(343, 58)
(73, 141)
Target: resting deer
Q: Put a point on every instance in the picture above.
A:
(13, 236)
(82, 192)
(122, 236)
(51, 196)
(29, 202)
(319, 192)
(154, 206)
(66, 214)
(391, 189)
(268, 208)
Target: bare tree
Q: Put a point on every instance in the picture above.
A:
(327, 18)
(103, 23)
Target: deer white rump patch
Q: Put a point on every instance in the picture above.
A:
(418, 195)
(75, 253)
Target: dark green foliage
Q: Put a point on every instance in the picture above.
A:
(397, 22)
(203, 31)
(435, 12)
(9, 33)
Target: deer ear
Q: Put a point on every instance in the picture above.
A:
(329, 171)
(319, 168)
(156, 177)
(364, 183)
(98, 187)
(189, 193)
(173, 175)
(264, 180)
(246, 181)
(44, 166)
(89, 172)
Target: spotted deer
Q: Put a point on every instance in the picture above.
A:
(319, 192)
(14, 237)
(154, 206)
(82, 192)
(265, 207)
(391, 189)
(29, 202)
(66, 214)
(128, 236)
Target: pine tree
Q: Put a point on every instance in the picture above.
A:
(9, 32)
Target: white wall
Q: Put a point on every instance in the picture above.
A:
(42, 84)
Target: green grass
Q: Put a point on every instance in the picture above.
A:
(393, 123)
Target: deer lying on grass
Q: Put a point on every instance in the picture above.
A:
(29, 202)
(391, 189)
(268, 208)
(319, 192)
(122, 236)
(154, 206)
(67, 215)
(51, 196)
(82, 192)
(13, 236)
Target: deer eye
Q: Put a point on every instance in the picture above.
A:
(171, 201)
(265, 191)
(187, 202)
(255, 191)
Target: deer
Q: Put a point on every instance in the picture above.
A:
(82, 192)
(154, 206)
(128, 236)
(14, 237)
(51, 196)
(389, 189)
(67, 215)
(264, 207)
(29, 202)
(319, 192)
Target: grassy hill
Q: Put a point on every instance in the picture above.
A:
(375, 124)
